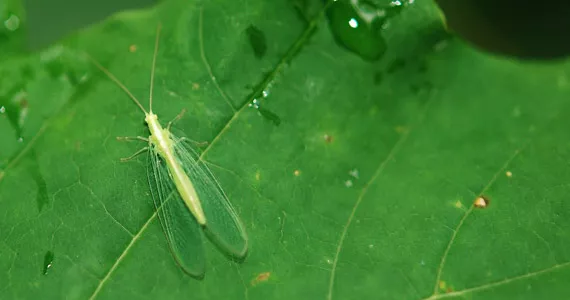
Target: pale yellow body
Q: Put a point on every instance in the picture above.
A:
(160, 137)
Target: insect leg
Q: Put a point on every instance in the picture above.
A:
(132, 138)
(134, 155)
(178, 117)
(199, 144)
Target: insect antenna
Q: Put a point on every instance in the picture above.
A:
(116, 81)
(153, 65)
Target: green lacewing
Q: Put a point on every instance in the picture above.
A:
(189, 200)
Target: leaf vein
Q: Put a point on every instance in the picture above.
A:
(24, 150)
(499, 283)
(289, 54)
(397, 146)
(467, 214)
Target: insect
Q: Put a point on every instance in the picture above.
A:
(189, 201)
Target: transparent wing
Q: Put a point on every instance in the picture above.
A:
(182, 232)
(223, 226)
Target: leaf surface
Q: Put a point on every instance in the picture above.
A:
(364, 190)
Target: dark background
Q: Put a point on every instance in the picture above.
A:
(523, 29)
(50, 20)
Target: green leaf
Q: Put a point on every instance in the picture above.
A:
(364, 189)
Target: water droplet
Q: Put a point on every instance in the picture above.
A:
(2, 109)
(12, 23)
(348, 183)
(254, 104)
(353, 23)
(354, 33)
(48, 262)
(353, 173)
(265, 93)
(509, 174)
(257, 41)
(20, 140)
(357, 25)
(395, 3)
(267, 114)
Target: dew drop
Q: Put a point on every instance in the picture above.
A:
(20, 140)
(358, 25)
(353, 23)
(48, 262)
(254, 103)
(396, 3)
(267, 114)
(355, 33)
(353, 173)
(348, 183)
(2, 109)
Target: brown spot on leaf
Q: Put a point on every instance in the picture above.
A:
(481, 202)
(261, 278)
(133, 48)
(328, 138)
